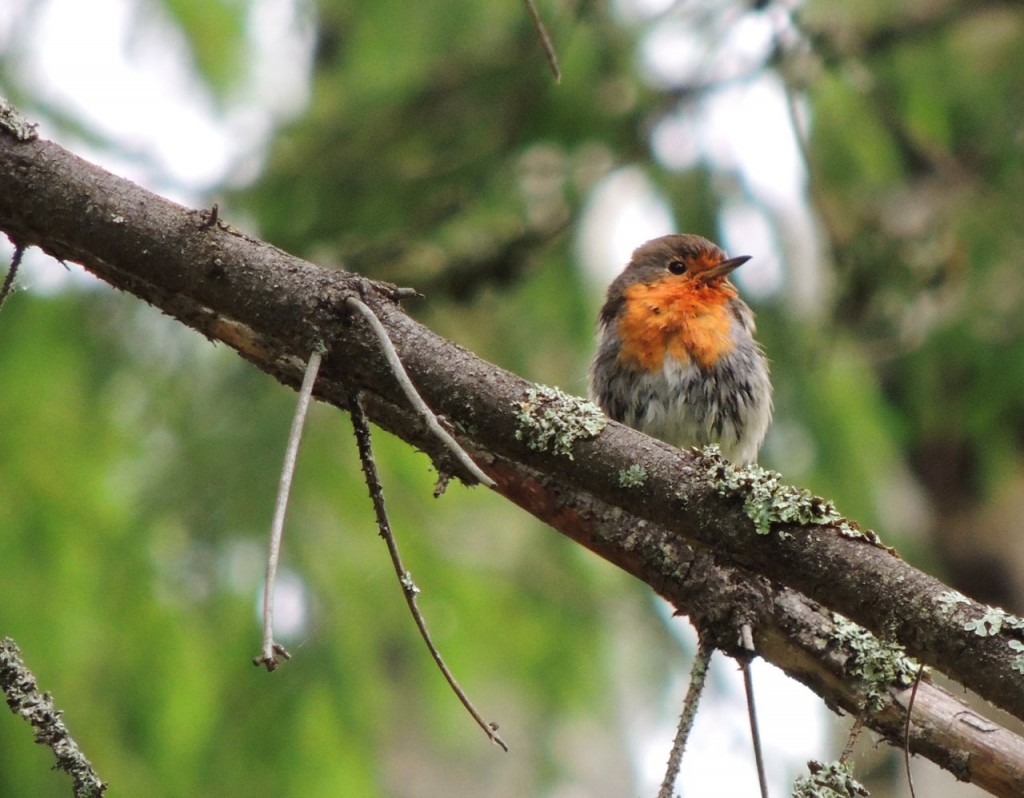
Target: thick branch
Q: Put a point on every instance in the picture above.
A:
(791, 631)
(274, 308)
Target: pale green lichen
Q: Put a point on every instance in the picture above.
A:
(550, 420)
(633, 477)
(951, 599)
(768, 500)
(993, 620)
(15, 124)
(989, 624)
(829, 780)
(1018, 662)
(879, 664)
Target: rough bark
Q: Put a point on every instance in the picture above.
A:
(724, 545)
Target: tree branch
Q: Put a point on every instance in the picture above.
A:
(19, 686)
(778, 555)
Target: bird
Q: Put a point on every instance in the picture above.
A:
(676, 356)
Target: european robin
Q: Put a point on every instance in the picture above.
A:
(677, 357)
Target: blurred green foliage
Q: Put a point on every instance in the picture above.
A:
(215, 33)
(138, 463)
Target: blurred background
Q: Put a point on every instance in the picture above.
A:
(869, 156)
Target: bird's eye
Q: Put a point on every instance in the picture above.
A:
(676, 266)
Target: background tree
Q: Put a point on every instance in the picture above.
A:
(137, 489)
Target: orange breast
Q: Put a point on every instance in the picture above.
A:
(675, 316)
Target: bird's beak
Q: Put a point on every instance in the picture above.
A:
(724, 268)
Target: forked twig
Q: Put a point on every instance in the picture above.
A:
(544, 39)
(411, 393)
(271, 650)
(23, 697)
(409, 589)
(698, 675)
(8, 285)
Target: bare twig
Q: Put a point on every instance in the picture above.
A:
(409, 589)
(412, 395)
(799, 130)
(851, 740)
(747, 640)
(271, 650)
(821, 207)
(25, 700)
(755, 734)
(698, 673)
(8, 285)
(544, 39)
(906, 731)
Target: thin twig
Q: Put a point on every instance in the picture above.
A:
(8, 285)
(747, 639)
(698, 673)
(851, 740)
(799, 131)
(804, 149)
(271, 650)
(413, 396)
(409, 589)
(23, 697)
(544, 39)
(906, 731)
